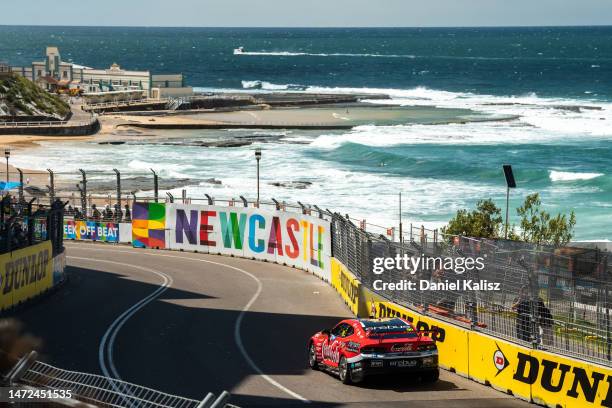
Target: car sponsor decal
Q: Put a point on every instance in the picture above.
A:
(400, 348)
(330, 354)
(352, 346)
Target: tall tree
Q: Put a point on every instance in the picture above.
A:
(483, 222)
(539, 227)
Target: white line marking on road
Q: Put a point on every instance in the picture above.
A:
(106, 348)
(237, 334)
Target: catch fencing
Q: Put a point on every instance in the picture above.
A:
(555, 299)
(23, 224)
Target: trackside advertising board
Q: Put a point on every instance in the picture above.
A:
(347, 285)
(286, 238)
(91, 231)
(25, 273)
(534, 375)
(543, 377)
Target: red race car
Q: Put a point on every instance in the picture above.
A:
(356, 348)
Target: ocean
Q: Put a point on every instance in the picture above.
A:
(558, 80)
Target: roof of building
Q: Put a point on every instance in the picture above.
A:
(49, 80)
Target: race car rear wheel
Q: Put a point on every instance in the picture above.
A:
(431, 376)
(344, 371)
(312, 357)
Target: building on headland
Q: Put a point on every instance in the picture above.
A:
(54, 74)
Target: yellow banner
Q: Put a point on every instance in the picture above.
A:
(494, 361)
(347, 285)
(533, 375)
(25, 273)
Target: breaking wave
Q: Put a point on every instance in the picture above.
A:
(308, 54)
(569, 176)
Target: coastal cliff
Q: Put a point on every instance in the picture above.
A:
(22, 100)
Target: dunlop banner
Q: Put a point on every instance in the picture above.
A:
(25, 273)
(543, 377)
(347, 285)
(494, 361)
(286, 238)
(533, 375)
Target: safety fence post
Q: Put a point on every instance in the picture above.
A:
(118, 186)
(51, 187)
(155, 185)
(21, 197)
(83, 190)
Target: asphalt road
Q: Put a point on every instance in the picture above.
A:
(187, 324)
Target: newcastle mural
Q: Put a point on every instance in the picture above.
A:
(287, 238)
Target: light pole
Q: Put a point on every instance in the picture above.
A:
(510, 183)
(258, 158)
(7, 154)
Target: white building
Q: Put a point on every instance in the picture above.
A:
(53, 73)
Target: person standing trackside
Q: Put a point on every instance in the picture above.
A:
(95, 213)
(523, 315)
(545, 322)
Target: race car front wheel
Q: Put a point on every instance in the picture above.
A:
(343, 371)
(312, 357)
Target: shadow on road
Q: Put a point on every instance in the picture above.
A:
(182, 350)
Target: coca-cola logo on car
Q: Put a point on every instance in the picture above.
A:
(401, 347)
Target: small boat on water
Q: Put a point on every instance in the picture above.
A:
(239, 50)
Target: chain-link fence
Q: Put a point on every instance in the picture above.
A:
(555, 299)
(22, 224)
(108, 196)
(552, 298)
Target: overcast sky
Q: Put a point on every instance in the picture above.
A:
(306, 13)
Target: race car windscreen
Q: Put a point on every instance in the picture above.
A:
(389, 329)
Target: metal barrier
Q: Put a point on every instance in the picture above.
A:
(103, 391)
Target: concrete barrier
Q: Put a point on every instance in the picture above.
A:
(28, 272)
(532, 375)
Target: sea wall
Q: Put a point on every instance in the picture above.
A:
(78, 129)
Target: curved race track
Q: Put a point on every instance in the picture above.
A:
(188, 323)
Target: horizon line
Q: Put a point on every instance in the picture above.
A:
(310, 27)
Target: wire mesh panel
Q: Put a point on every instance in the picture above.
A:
(101, 391)
(557, 299)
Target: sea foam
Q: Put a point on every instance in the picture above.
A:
(570, 176)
